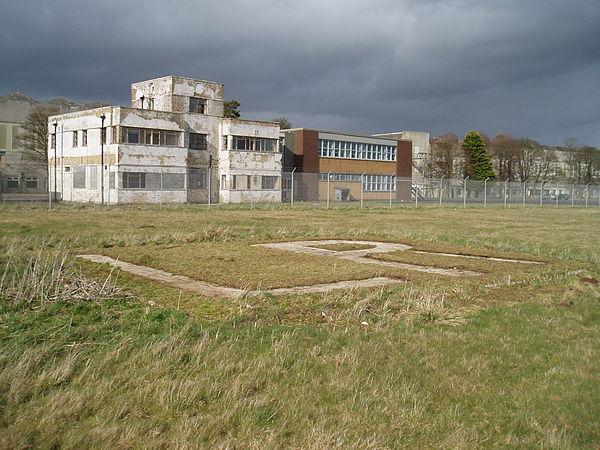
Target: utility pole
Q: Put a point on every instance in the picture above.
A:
(55, 144)
(102, 118)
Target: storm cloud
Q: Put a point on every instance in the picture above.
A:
(523, 68)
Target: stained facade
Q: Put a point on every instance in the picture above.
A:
(173, 145)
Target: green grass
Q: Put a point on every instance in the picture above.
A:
(508, 359)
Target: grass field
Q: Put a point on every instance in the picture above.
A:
(91, 357)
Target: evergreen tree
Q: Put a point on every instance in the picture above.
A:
(479, 165)
(231, 109)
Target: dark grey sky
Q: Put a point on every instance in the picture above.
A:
(528, 68)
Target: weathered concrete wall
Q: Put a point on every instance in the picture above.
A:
(160, 173)
(172, 94)
(15, 163)
(249, 163)
(421, 148)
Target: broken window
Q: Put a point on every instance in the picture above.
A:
(254, 144)
(134, 180)
(79, 177)
(84, 138)
(170, 138)
(75, 138)
(241, 182)
(197, 141)
(93, 177)
(197, 105)
(197, 179)
(269, 182)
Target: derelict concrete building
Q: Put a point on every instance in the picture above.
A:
(173, 145)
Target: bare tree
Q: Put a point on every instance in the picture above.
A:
(504, 151)
(445, 157)
(527, 152)
(545, 159)
(284, 122)
(34, 137)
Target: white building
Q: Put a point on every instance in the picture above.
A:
(421, 148)
(172, 146)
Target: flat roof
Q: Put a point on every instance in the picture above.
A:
(368, 136)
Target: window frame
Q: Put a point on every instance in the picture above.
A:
(30, 180)
(13, 179)
(266, 186)
(128, 177)
(198, 141)
(197, 105)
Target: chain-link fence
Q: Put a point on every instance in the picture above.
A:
(359, 189)
(175, 185)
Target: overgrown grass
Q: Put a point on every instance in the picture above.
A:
(508, 360)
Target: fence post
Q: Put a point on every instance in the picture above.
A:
(573, 194)
(50, 189)
(542, 194)
(556, 194)
(209, 184)
(505, 193)
(416, 194)
(485, 191)
(292, 187)
(362, 189)
(524, 190)
(328, 177)
(161, 186)
(390, 187)
(465, 192)
(587, 193)
(251, 190)
(441, 189)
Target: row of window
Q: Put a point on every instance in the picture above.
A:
(340, 177)
(245, 182)
(376, 183)
(15, 182)
(165, 138)
(256, 144)
(83, 138)
(329, 148)
(79, 138)
(168, 138)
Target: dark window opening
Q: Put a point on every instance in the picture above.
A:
(197, 141)
(134, 180)
(197, 105)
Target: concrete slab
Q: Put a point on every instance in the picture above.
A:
(360, 256)
(216, 291)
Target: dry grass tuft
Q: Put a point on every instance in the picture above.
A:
(48, 275)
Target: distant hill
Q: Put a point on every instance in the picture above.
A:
(16, 106)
